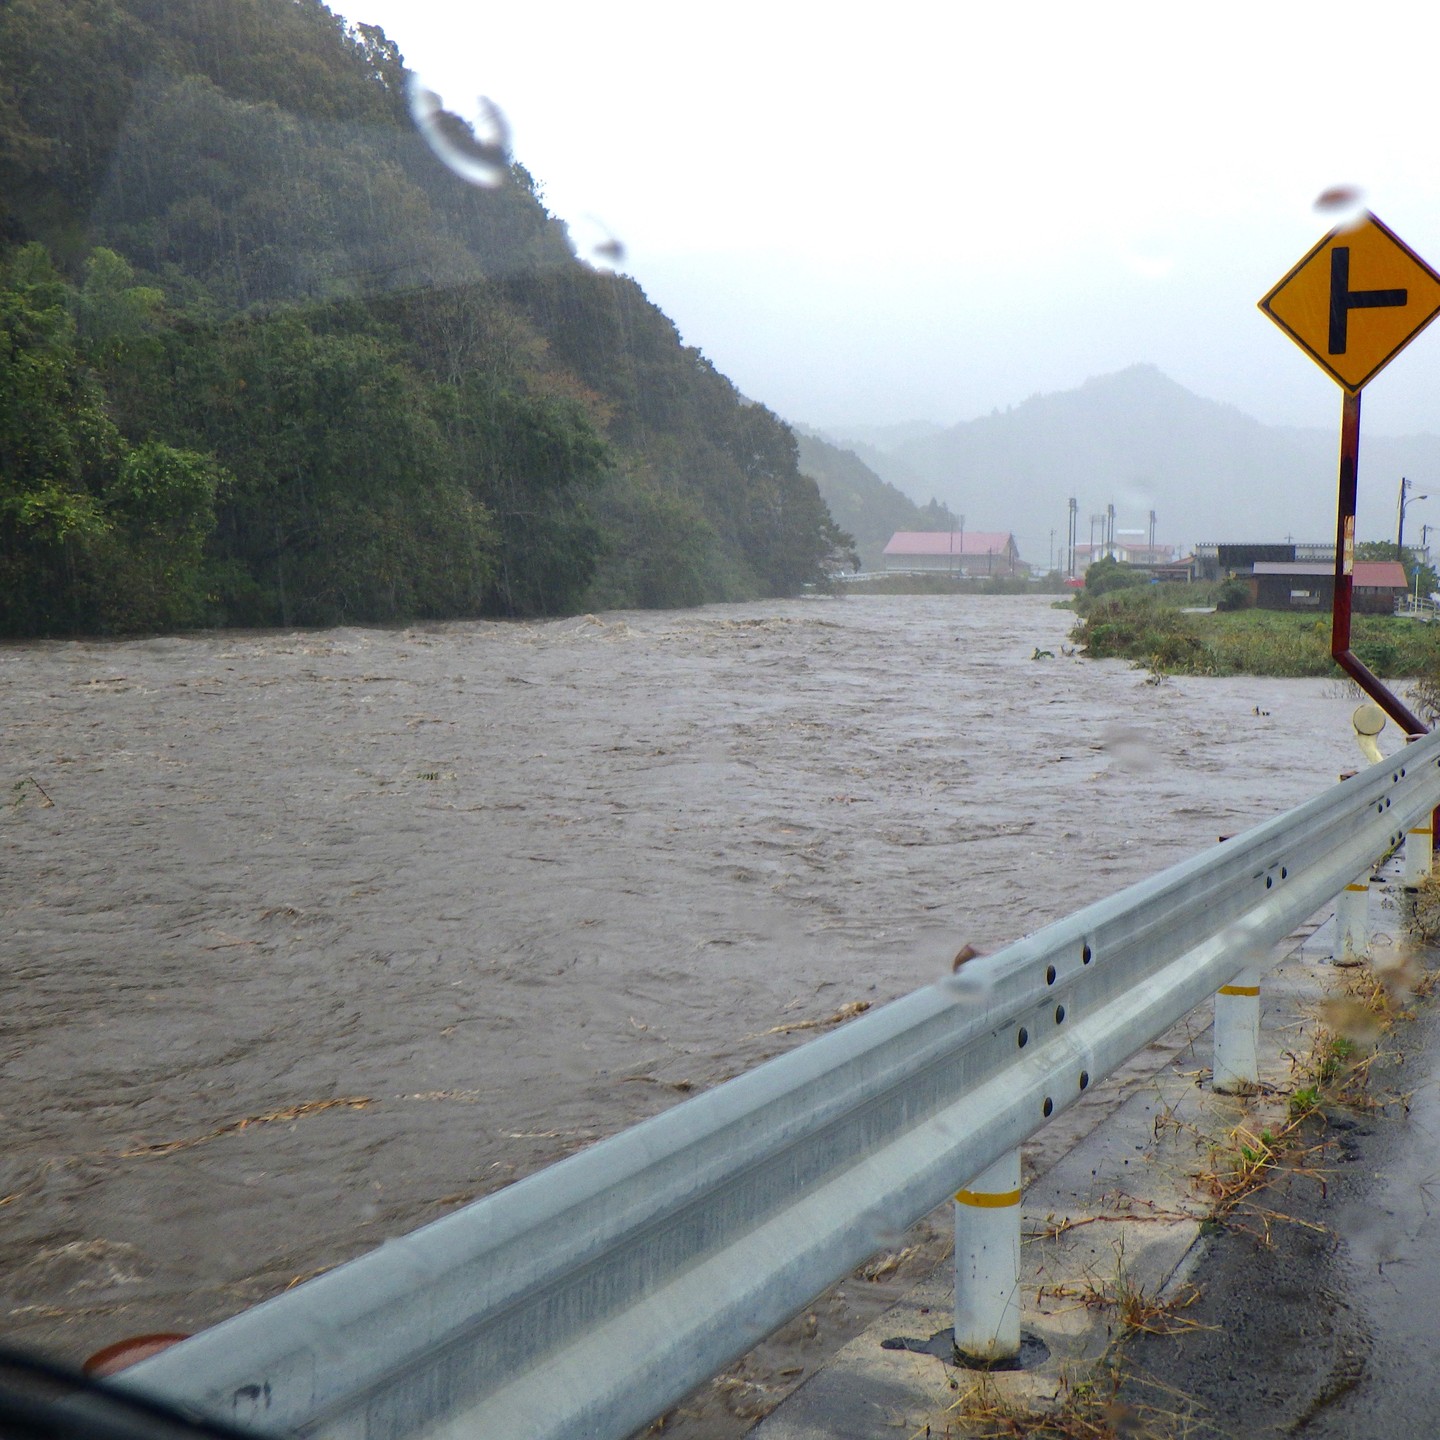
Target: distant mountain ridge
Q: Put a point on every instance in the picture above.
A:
(1140, 441)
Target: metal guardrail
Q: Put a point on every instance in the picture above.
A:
(1409, 607)
(588, 1298)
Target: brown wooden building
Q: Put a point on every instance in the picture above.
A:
(1307, 585)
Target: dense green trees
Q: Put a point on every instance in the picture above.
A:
(1107, 574)
(265, 360)
(94, 532)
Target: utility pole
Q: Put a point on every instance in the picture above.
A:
(1405, 499)
(1110, 536)
(1152, 537)
(1074, 531)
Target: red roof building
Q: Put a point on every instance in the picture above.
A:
(960, 552)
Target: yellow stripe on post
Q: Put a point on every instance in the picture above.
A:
(1239, 990)
(1358, 887)
(987, 1199)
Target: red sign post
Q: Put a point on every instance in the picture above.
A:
(1352, 304)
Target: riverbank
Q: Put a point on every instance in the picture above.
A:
(1177, 631)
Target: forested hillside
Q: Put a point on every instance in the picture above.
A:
(265, 359)
(865, 506)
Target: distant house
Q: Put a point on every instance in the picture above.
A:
(1181, 571)
(957, 552)
(1310, 585)
(1219, 561)
(1127, 552)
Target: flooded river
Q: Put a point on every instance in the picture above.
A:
(310, 938)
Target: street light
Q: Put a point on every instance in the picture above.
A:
(1405, 485)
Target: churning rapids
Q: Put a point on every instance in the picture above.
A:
(312, 937)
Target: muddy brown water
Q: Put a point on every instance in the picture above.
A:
(310, 938)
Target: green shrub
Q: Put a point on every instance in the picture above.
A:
(1233, 594)
(1379, 656)
(1107, 575)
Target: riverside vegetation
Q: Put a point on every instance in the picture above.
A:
(265, 359)
(1169, 629)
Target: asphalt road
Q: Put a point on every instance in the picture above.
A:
(1323, 1322)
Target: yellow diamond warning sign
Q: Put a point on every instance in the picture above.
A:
(1356, 300)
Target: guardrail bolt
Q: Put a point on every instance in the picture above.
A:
(987, 1263)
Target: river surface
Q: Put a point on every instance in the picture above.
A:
(311, 937)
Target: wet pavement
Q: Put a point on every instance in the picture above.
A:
(1323, 1323)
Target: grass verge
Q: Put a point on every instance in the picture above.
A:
(1151, 626)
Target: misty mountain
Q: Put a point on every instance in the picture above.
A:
(1142, 442)
(884, 437)
(862, 504)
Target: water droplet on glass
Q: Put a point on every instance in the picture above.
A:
(881, 1232)
(969, 982)
(596, 243)
(1129, 749)
(1350, 1020)
(1152, 257)
(1345, 204)
(477, 150)
(1245, 944)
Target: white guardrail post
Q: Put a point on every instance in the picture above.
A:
(1419, 852)
(987, 1263)
(1235, 1068)
(585, 1300)
(1419, 847)
(1352, 921)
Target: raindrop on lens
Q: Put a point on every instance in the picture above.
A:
(881, 1232)
(1344, 204)
(1129, 749)
(596, 244)
(477, 151)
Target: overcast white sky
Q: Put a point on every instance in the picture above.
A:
(882, 212)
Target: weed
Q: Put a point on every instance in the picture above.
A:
(1423, 916)
(1085, 1409)
(30, 784)
(1088, 1410)
(1136, 1312)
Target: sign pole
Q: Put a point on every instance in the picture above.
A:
(1341, 605)
(1345, 523)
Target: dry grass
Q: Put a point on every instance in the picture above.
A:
(1134, 1310)
(1084, 1409)
(1423, 918)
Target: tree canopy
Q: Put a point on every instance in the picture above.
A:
(265, 359)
